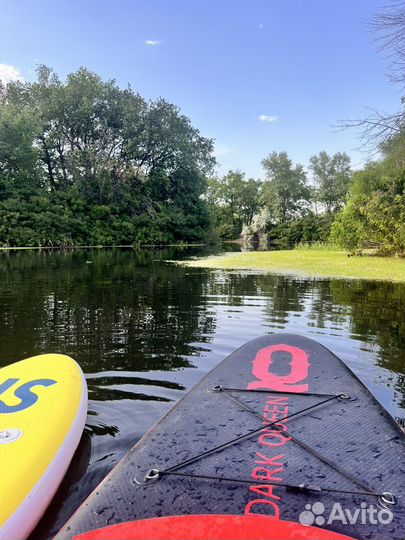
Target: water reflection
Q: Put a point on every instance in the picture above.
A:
(145, 331)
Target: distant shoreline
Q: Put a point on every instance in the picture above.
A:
(308, 263)
(71, 248)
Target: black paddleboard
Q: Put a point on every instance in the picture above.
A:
(280, 429)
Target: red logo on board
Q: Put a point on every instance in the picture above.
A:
(267, 380)
(269, 463)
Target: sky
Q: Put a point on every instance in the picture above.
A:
(255, 75)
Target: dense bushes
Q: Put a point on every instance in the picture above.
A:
(374, 216)
(354, 210)
(84, 162)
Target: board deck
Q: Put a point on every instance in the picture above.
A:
(43, 407)
(347, 443)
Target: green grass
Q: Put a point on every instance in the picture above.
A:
(318, 246)
(308, 262)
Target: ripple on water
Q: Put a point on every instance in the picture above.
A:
(144, 332)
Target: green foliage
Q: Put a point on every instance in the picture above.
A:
(332, 177)
(285, 192)
(233, 202)
(285, 218)
(308, 229)
(84, 162)
(374, 216)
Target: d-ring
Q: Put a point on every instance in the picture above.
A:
(153, 474)
(388, 498)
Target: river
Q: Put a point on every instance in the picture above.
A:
(144, 331)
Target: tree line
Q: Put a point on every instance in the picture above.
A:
(329, 202)
(84, 162)
(285, 208)
(355, 209)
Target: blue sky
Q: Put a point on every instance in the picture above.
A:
(299, 65)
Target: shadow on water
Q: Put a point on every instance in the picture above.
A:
(144, 331)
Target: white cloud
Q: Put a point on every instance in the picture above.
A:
(268, 118)
(261, 26)
(10, 73)
(152, 42)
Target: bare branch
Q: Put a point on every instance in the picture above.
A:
(379, 127)
(389, 30)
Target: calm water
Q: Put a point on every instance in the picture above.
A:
(145, 331)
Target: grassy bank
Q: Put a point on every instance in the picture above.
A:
(309, 262)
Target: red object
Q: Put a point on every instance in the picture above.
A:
(210, 527)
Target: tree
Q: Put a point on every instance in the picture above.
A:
(250, 200)
(233, 201)
(138, 168)
(375, 212)
(374, 216)
(285, 192)
(388, 27)
(332, 177)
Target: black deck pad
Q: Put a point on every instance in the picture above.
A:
(362, 447)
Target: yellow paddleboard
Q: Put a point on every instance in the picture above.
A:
(43, 407)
